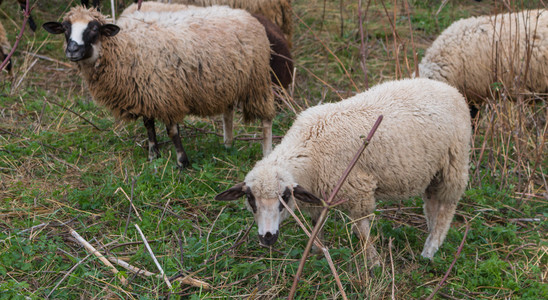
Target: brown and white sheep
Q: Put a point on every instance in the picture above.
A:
(472, 54)
(421, 148)
(203, 62)
(5, 47)
(277, 11)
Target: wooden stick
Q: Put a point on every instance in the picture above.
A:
(392, 267)
(100, 256)
(26, 16)
(453, 263)
(328, 204)
(162, 274)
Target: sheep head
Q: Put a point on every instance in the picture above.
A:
(83, 29)
(265, 189)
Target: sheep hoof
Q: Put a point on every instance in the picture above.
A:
(429, 252)
(183, 163)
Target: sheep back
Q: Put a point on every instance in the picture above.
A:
(198, 61)
(277, 11)
(281, 61)
(425, 132)
(469, 52)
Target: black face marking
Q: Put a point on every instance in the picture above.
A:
(67, 26)
(286, 196)
(91, 34)
(251, 200)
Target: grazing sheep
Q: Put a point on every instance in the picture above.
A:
(474, 53)
(421, 147)
(277, 11)
(203, 62)
(5, 47)
(23, 5)
(281, 62)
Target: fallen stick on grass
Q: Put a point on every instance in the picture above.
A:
(185, 280)
(100, 256)
(162, 274)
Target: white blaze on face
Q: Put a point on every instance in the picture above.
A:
(77, 32)
(268, 216)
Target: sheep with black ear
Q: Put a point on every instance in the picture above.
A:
(421, 148)
(472, 54)
(203, 62)
(5, 47)
(277, 11)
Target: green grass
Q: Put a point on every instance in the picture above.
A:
(58, 171)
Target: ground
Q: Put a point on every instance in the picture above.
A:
(66, 163)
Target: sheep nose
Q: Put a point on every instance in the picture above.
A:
(72, 46)
(268, 239)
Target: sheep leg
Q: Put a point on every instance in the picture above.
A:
(363, 230)
(267, 137)
(153, 151)
(440, 202)
(439, 215)
(173, 132)
(228, 120)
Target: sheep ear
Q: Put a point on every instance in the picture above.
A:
(301, 194)
(232, 193)
(109, 30)
(54, 27)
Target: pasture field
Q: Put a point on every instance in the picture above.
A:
(66, 163)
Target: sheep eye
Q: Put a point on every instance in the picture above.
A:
(286, 196)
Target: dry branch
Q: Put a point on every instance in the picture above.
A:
(328, 204)
(162, 274)
(26, 15)
(453, 263)
(100, 256)
(185, 280)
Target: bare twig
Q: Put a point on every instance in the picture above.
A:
(392, 267)
(39, 143)
(329, 50)
(26, 16)
(72, 111)
(328, 204)
(100, 256)
(363, 52)
(454, 261)
(162, 274)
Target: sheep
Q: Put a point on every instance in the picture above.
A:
(203, 62)
(23, 5)
(5, 47)
(277, 11)
(421, 147)
(473, 53)
(281, 62)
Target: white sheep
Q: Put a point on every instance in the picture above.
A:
(474, 53)
(421, 148)
(277, 11)
(202, 61)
